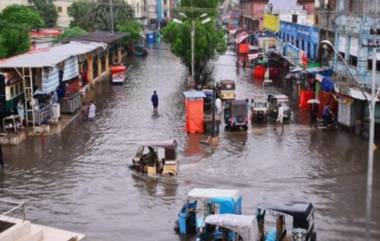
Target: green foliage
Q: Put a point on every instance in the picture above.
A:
(15, 23)
(96, 15)
(132, 27)
(209, 41)
(16, 39)
(195, 8)
(79, 11)
(3, 49)
(22, 15)
(47, 11)
(71, 33)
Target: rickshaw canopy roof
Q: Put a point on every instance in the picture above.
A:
(169, 144)
(213, 193)
(296, 209)
(226, 82)
(243, 225)
(281, 97)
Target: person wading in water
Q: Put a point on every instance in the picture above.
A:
(154, 100)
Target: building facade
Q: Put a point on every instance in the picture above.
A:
(355, 28)
(252, 11)
(325, 16)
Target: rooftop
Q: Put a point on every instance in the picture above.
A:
(104, 37)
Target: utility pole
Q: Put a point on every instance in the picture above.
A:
(111, 13)
(371, 145)
(192, 51)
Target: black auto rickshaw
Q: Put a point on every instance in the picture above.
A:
(236, 114)
(292, 220)
(274, 102)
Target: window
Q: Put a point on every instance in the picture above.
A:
(294, 18)
(303, 45)
(297, 43)
(342, 55)
(68, 9)
(353, 60)
(59, 9)
(370, 65)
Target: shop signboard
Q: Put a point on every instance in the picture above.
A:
(272, 23)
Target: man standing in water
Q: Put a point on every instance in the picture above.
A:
(92, 111)
(280, 117)
(154, 100)
(1, 157)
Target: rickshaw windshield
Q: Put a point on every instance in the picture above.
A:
(239, 110)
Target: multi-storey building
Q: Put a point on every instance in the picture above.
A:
(252, 14)
(356, 25)
(325, 15)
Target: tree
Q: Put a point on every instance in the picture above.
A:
(96, 15)
(133, 28)
(80, 11)
(71, 33)
(209, 40)
(3, 49)
(15, 38)
(15, 23)
(47, 11)
(22, 15)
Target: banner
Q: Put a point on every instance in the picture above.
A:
(272, 22)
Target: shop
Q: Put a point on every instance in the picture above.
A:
(50, 80)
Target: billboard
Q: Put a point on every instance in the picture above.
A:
(271, 22)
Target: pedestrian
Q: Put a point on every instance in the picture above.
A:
(92, 111)
(280, 117)
(314, 114)
(21, 111)
(84, 111)
(1, 157)
(154, 100)
(326, 115)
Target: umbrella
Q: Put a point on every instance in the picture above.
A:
(313, 101)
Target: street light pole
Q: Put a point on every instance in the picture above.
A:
(371, 145)
(192, 51)
(111, 13)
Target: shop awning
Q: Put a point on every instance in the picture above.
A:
(358, 94)
(50, 57)
(241, 37)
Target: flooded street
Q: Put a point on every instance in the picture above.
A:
(79, 180)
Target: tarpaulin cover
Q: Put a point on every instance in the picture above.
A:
(326, 98)
(327, 84)
(194, 116)
(305, 96)
(259, 72)
(71, 69)
(118, 69)
(244, 225)
(243, 48)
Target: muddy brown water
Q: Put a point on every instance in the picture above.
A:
(79, 180)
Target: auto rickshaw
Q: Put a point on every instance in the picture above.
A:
(274, 103)
(236, 114)
(202, 202)
(155, 160)
(226, 89)
(293, 221)
(259, 108)
(289, 222)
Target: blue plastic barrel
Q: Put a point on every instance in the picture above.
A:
(150, 38)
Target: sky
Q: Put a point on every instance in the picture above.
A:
(285, 5)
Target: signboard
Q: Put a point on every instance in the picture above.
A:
(272, 22)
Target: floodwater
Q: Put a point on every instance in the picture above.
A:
(79, 180)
